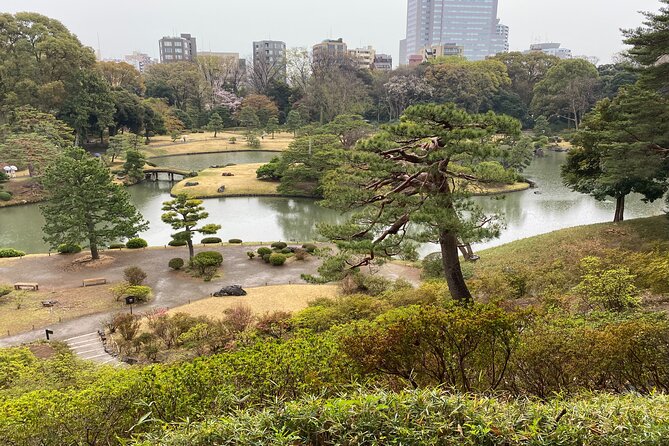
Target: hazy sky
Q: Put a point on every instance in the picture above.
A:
(589, 27)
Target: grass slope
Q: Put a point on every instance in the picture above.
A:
(244, 182)
(205, 142)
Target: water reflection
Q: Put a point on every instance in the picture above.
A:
(527, 213)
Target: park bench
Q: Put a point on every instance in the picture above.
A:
(96, 281)
(30, 286)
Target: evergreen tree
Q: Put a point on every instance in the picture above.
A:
(184, 214)
(215, 123)
(412, 182)
(294, 121)
(134, 165)
(619, 149)
(118, 144)
(84, 204)
(272, 125)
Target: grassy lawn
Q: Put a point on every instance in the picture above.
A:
(244, 182)
(261, 300)
(554, 258)
(495, 189)
(205, 142)
(20, 311)
(23, 190)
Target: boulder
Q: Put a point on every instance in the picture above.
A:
(232, 290)
(221, 189)
(191, 184)
(227, 174)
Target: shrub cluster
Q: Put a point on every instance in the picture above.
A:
(235, 241)
(211, 240)
(5, 195)
(68, 248)
(176, 263)
(176, 242)
(277, 259)
(10, 252)
(136, 243)
(206, 263)
(279, 245)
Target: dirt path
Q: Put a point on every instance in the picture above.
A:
(170, 288)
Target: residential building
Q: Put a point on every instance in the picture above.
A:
(550, 48)
(178, 49)
(363, 57)
(441, 50)
(472, 24)
(269, 51)
(139, 60)
(330, 51)
(383, 62)
(501, 41)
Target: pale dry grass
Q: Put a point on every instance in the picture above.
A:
(244, 182)
(205, 142)
(261, 300)
(20, 311)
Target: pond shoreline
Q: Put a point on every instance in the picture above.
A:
(213, 152)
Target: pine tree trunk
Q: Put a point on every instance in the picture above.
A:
(191, 251)
(95, 254)
(620, 209)
(452, 271)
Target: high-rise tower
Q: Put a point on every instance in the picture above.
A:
(472, 24)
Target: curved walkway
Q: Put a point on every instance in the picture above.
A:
(170, 288)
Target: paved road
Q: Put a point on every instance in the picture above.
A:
(170, 288)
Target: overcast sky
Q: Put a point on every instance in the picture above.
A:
(588, 27)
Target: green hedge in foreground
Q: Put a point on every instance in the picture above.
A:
(435, 418)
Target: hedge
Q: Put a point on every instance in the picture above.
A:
(9, 252)
(136, 243)
(69, 248)
(211, 240)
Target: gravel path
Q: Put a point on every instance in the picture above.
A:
(170, 288)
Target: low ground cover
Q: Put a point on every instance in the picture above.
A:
(242, 182)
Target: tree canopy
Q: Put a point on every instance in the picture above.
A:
(85, 205)
(412, 181)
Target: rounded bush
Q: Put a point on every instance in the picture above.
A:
(309, 247)
(136, 243)
(279, 245)
(287, 251)
(117, 245)
(178, 243)
(211, 240)
(235, 241)
(176, 263)
(9, 252)
(5, 196)
(277, 259)
(266, 257)
(262, 252)
(211, 258)
(68, 248)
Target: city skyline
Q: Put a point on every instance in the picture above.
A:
(570, 22)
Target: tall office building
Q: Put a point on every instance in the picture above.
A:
(178, 49)
(472, 24)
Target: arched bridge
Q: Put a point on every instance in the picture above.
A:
(153, 173)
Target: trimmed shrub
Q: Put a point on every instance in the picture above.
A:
(136, 243)
(277, 259)
(117, 246)
(176, 263)
(309, 247)
(134, 275)
(235, 241)
(5, 196)
(494, 172)
(266, 257)
(211, 240)
(140, 292)
(206, 263)
(68, 248)
(251, 255)
(262, 252)
(10, 252)
(279, 245)
(287, 251)
(178, 243)
(301, 254)
(5, 289)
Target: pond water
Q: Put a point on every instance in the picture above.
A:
(549, 207)
(205, 160)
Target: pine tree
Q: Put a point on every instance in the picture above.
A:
(84, 204)
(215, 123)
(183, 214)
